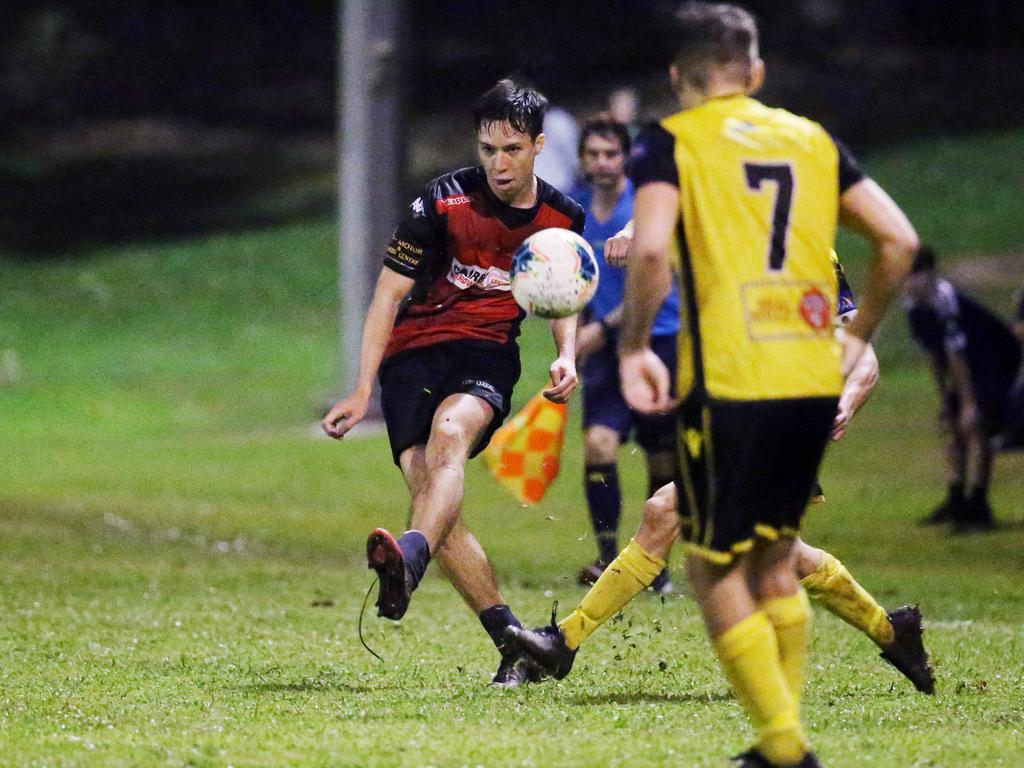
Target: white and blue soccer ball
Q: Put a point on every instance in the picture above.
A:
(554, 273)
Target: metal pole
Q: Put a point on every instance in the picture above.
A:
(369, 154)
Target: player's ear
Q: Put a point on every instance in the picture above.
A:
(538, 143)
(756, 75)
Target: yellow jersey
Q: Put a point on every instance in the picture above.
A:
(758, 206)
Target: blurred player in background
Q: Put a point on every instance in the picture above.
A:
(608, 422)
(974, 357)
(442, 330)
(748, 197)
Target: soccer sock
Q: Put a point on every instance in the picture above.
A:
(978, 495)
(495, 619)
(791, 617)
(604, 499)
(626, 576)
(416, 552)
(956, 493)
(749, 654)
(834, 587)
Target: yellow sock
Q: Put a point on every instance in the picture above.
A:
(791, 618)
(749, 654)
(626, 576)
(834, 587)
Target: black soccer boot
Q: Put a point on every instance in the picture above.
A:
(591, 572)
(385, 557)
(516, 670)
(754, 759)
(545, 645)
(906, 652)
(974, 517)
(662, 584)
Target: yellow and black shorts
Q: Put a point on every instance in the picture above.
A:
(748, 469)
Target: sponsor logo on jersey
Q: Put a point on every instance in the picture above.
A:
(815, 309)
(448, 202)
(465, 276)
(417, 206)
(787, 309)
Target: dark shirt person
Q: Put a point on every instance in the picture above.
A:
(974, 358)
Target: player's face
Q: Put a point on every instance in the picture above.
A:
(604, 162)
(507, 156)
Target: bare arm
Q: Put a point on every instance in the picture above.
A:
(563, 369)
(391, 290)
(856, 391)
(649, 277)
(867, 209)
(645, 379)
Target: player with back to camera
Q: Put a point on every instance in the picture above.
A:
(748, 198)
(441, 329)
(608, 422)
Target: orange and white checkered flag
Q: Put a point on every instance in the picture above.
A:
(524, 455)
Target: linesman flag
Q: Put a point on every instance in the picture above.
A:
(524, 455)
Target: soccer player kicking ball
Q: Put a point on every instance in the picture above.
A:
(442, 330)
(749, 197)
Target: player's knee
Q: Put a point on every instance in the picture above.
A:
(448, 443)
(660, 514)
(600, 446)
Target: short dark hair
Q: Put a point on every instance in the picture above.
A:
(714, 34)
(604, 125)
(520, 106)
(924, 261)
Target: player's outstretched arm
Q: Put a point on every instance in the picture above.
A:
(645, 379)
(858, 387)
(391, 290)
(563, 370)
(867, 209)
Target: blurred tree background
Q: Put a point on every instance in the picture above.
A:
(158, 119)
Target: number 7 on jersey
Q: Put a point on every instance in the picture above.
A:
(782, 174)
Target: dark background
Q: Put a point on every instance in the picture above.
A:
(159, 119)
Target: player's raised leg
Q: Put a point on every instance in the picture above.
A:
(898, 634)
(457, 425)
(630, 573)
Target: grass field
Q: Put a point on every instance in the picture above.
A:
(180, 558)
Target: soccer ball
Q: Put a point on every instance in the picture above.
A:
(554, 273)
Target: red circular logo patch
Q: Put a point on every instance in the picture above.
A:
(815, 309)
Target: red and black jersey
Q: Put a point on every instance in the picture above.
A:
(457, 241)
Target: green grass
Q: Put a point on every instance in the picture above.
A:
(180, 568)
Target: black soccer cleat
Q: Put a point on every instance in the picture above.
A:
(949, 509)
(975, 517)
(906, 652)
(545, 645)
(754, 759)
(662, 584)
(516, 670)
(590, 573)
(385, 557)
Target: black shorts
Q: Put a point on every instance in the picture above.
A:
(604, 405)
(413, 384)
(748, 469)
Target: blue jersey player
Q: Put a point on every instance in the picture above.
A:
(607, 199)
